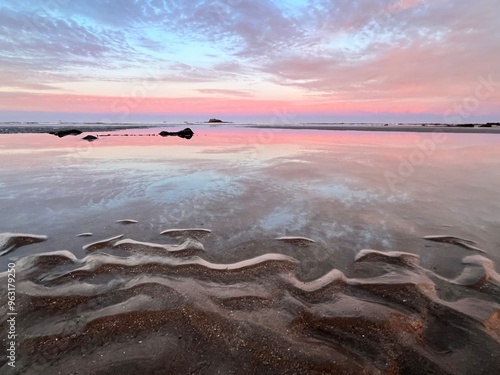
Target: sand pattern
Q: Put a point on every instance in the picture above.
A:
(102, 243)
(295, 240)
(187, 247)
(126, 221)
(468, 244)
(140, 307)
(186, 233)
(11, 241)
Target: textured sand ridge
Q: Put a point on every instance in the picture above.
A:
(140, 307)
(11, 241)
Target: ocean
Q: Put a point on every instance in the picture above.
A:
(297, 250)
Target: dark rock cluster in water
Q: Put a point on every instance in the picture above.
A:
(66, 132)
(90, 138)
(185, 133)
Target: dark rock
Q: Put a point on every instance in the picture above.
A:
(465, 125)
(217, 121)
(493, 123)
(486, 125)
(90, 138)
(186, 133)
(64, 133)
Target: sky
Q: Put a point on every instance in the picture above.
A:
(250, 60)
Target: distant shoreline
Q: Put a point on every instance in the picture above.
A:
(40, 129)
(389, 128)
(412, 128)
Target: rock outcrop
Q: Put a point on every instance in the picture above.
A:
(186, 133)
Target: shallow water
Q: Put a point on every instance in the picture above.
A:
(346, 191)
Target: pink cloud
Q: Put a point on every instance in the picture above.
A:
(202, 105)
(226, 92)
(405, 4)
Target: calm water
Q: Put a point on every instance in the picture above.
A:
(345, 190)
(249, 303)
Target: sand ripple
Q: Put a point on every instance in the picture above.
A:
(101, 244)
(479, 273)
(127, 221)
(468, 244)
(149, 308)
(188, 247)
(295, 240)
(11, 241)
(187, 233)
(87, 234)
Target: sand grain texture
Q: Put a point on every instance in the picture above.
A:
(150, 311)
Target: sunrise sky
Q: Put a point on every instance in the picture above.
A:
(250, 60)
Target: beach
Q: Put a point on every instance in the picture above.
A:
(253, 248)
(486, 128)
(408, 128)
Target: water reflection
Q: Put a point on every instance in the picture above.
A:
(248, 183)
(324, 303)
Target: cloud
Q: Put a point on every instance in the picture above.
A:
(226, 92)
(422, 54)
(40, 51)
(125, 106)
(434, 50)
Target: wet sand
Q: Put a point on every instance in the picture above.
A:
(413, 128)
(440, 128)
(136, 307)
(84, 128)
(238, 253)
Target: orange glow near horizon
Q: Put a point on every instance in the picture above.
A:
(387, 61)
(201, 106)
